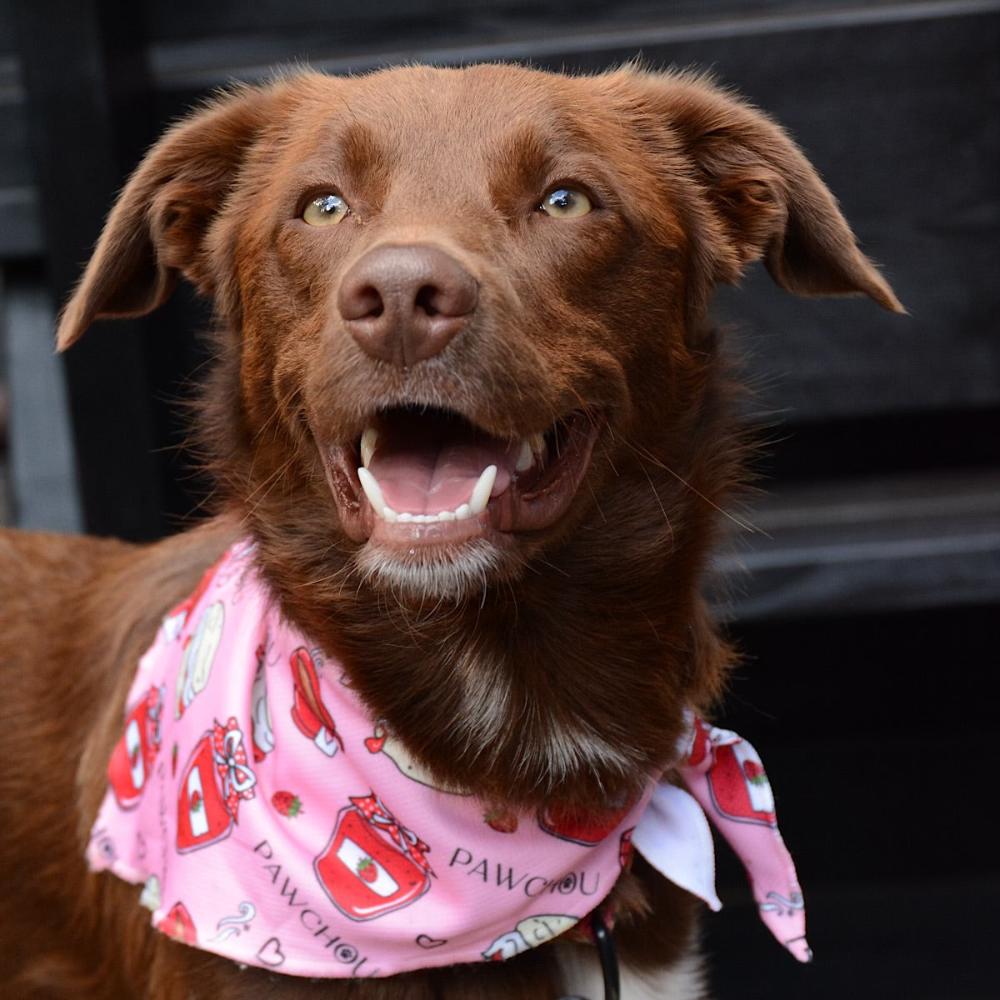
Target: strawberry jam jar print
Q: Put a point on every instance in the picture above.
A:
(736, 780)
(372, 864)
(309, 714)
(132, 759)
(212, 784)
(578, 827)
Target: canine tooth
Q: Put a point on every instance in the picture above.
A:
(372, 489)
(389, 514)
(405, 517)
(525, 457)
(446, 515)
(463, 513)
(538, 445)
(368, 442)
(481, 491)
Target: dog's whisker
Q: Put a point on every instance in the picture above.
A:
(652, 459)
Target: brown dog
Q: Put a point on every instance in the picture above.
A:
(490, 262)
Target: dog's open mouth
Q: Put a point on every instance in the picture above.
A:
(429, 476)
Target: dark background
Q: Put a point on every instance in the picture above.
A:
(867, 602)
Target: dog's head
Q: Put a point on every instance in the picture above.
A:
(465, 293)
(465, 349)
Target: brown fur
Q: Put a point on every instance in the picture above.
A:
(564, 676)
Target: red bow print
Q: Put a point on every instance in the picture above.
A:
(375, 811)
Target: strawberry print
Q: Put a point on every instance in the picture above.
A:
(367, 870)
(501, 820)
(754, 772)
(287, 803)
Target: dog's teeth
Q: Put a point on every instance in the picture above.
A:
(476, 504)
(368, 442)
(372, 489)
(481, 491)
(525, 457)
(537, 442)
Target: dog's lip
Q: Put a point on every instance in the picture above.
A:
(530, 501)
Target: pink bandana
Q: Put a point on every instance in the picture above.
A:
(274, 822)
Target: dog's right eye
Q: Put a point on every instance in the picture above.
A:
(565, 203)
(325, 210)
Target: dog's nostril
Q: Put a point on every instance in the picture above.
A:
(372, 302)
(359, 299)
(426, 298)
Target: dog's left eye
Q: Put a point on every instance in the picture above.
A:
(326, 210)
(565, 203)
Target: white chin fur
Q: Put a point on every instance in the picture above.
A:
(581, 977)
(429, 575)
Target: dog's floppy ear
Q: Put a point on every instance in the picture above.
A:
(767, 197)
(157, 228)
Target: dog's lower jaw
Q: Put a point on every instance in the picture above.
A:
(427, 574)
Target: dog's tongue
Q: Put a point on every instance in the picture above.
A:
(427, 463)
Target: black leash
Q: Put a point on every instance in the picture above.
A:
(608, 954)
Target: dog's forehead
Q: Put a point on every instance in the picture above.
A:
(456, 127)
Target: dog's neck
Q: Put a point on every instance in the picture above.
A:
(568, 683)
(563, 685)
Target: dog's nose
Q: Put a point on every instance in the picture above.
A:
(404, 304)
